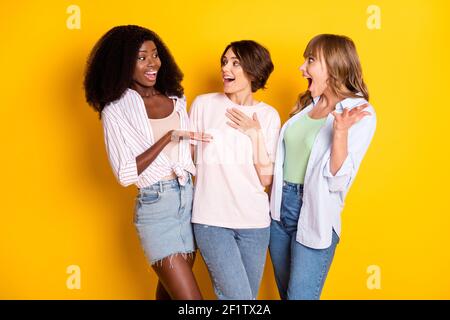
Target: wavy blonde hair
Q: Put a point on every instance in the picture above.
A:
(344, 68)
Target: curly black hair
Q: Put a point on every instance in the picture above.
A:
(111, 64)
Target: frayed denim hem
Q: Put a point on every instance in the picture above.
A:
(185, 255)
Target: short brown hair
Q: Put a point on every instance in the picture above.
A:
(255, 60)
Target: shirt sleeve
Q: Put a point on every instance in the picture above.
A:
(120, 156)
(360, 136)
(271, 135)
(194, 119)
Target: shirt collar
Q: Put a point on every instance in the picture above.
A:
(346, 103)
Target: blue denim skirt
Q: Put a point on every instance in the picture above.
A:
(163, 219)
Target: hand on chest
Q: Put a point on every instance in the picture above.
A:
(229, 146)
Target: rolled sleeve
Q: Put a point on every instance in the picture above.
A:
(341, 179)
(128, 173)
(193, 120)
(120, 156)
(359, 139)
(271, 135)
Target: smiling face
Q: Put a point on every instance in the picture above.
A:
(314, 69)
(234, 78)
(147, 65)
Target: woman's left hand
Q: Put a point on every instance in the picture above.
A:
(242, 122)
(343, 121)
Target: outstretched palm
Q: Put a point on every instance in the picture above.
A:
(346, 119)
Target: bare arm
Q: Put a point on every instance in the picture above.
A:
(252, 128)
(261, 160)
(148, 156)
(339, 150)
(341, 125)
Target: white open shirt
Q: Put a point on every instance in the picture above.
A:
(323, 193)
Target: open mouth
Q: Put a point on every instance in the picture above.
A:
(228, 79)
(309, 82)
(151, 75)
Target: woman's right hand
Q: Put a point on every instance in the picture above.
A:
(343, 121)
(176, 135)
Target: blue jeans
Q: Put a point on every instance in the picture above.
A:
(300, 271)
(235, 259)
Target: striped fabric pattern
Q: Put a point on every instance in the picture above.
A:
(127, 134)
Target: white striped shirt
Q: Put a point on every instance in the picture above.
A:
(128, 134)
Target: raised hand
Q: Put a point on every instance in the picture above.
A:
(343, 121)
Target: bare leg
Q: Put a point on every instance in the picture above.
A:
(161, 293)
(175, 274)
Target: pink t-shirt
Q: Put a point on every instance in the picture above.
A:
(228, 192)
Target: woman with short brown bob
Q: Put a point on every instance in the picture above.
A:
(231, 208)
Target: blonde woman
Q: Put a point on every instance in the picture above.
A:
(319, 152)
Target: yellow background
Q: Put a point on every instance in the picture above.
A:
(61, 205)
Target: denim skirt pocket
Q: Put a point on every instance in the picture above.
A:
(149, 197)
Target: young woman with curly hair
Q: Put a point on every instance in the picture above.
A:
(134, 84)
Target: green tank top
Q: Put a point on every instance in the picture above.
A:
(298, 141)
